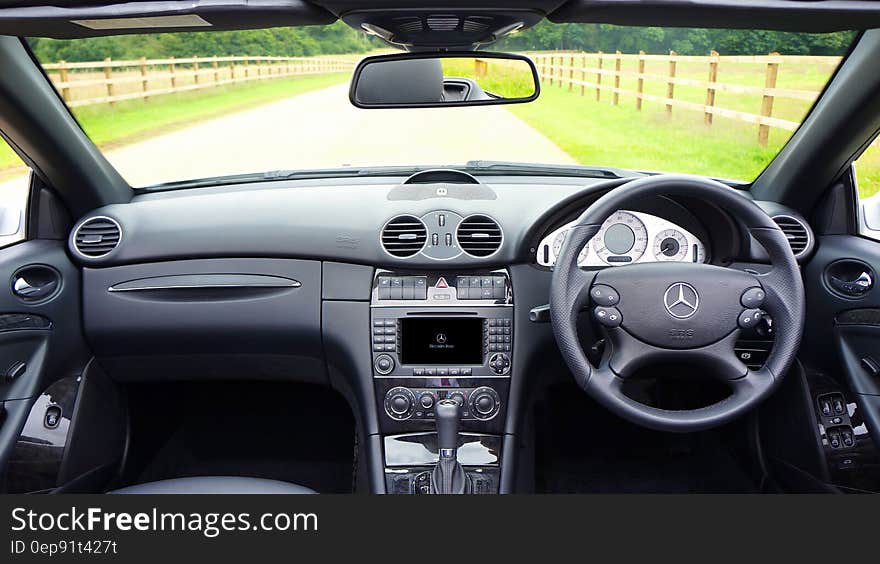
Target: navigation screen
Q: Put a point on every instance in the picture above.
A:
(441, 340)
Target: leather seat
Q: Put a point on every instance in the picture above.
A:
(216, 485)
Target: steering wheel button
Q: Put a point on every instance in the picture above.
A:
(604, 295)
(752, 298)
(750, 318)
(607, 316)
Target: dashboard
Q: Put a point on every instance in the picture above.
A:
(628, 237)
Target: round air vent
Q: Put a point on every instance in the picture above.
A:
(97, 236)
(403, 236)
(479, 236)
(797, 233)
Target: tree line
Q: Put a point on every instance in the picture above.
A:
(685, 41)
(281, 41)
(339, 38)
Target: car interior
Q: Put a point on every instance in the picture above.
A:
(476, 329)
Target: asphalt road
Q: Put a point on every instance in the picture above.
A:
(322, 129)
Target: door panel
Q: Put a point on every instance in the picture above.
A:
(41, 341)
(842, 329)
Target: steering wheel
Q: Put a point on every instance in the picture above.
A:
(677, 312)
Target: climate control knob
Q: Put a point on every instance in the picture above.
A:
(485, 403)
(400, 403)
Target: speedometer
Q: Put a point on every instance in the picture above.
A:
(622, 239)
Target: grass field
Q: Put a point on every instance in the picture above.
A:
(135, 119)
(599, 133)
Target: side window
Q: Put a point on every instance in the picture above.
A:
(14, 187)
(868, 178)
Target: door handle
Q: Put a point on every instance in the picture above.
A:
(24, 289)
(853, 288)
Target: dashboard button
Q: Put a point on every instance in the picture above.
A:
(604, 295)
(750, 318)
(752, 298)
(608, 316)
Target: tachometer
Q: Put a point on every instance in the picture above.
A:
(670, 245)
(622, 239)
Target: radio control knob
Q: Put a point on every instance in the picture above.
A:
(399, 403)
(426, 400)
(384, 364)
(457, 397)
(484, 403)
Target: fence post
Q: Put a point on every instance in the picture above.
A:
(259, 69)
(247, 66)
(196, 69)
(670, 85)
(571, 73)
(144, 87)
(710, 91)
(232, 69)
(599, 79)
(616, 77)
(481, 67)
(640, 84)
(171, 72)
(108, 76)
(767, 102)
(216, 70)
(62, 72)
(583, 73)
(552, 68)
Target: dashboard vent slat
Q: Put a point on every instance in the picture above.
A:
(796, 232)
(404, 236)
(97, 237)
(479, 236)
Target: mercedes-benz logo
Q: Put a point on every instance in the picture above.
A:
(681, 300)
(441, 338)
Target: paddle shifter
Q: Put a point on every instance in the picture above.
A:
(448, 476)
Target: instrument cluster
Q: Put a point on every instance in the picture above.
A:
(628, 237)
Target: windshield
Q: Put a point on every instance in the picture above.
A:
(186, 106)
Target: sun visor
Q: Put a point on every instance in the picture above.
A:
(74, 20)
(785, 15)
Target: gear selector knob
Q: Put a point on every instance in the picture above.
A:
(446, 416)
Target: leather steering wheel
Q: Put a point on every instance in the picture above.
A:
(677, 312)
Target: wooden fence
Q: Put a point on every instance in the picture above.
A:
(110, 81)
(602, 72)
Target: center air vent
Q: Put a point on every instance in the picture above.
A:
(404, 236)
(97, 236)
(479, 236)
(796, 232)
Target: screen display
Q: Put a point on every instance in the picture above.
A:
(439, 340)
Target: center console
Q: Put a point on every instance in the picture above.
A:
(434, 337)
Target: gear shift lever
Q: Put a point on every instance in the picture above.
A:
(448, 476)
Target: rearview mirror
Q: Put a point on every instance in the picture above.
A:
(422, 80)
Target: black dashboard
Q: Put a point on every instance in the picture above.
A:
(397, 294)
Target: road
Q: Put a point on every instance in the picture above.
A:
(319, 129)
(322, 129)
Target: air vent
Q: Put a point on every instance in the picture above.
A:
(476, 24)
(97, 236)
(409, 25)
(479, 236)
(404, 236)
(796, 232)
(443, 23)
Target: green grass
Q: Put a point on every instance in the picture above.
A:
(598, 133)
(506, 79)
(135, 119)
